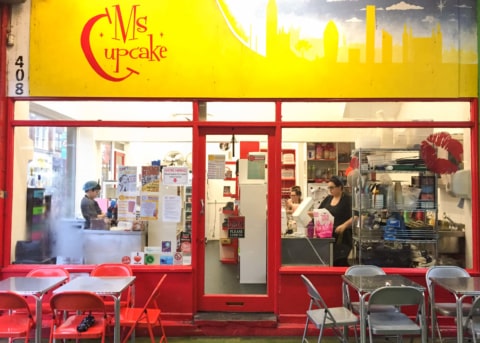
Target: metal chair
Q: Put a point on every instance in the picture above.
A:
(149, 316)
(396, 323)
(16, 319)
(69, 310)
(115, 269)
(363, 270)
(444, 309)
(323, 316)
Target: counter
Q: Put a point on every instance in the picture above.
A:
(109, 246)
(71, 244)
(307, 251)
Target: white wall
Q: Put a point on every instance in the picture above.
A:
(22, 155)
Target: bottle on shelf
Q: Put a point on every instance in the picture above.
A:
(319, 153)
(398, 195)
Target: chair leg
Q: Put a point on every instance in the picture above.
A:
(304, 338)
(150, 333)
(320, 335)
(164, 335)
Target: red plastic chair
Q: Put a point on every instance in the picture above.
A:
(16, 319)
(49, 271)
(148, 317)
(46, 272)
(69, 309)
(115, 269)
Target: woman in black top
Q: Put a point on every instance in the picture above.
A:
(339, 205)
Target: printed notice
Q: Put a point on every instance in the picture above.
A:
(171, 211)
(175, 176)
(256, 166)
(216, 167)
(126, 207)
(149, 207)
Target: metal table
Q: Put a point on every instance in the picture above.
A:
(365, 285)
(103, 286)
(34, 287)
(461, 288)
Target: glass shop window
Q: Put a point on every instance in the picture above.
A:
(148, 218)
(408, 191)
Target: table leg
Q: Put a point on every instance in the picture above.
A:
(116, 328)
(363, 319)
(423, 322)
(459, 301)
(38, 319)
(431, 304)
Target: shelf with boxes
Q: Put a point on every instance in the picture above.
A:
(187, 210)
(395, 202)
(228, 245)
(327, 159)
(288, 173)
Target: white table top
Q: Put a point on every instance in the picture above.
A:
(30, 285)
(103, 285)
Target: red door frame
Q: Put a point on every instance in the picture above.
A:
(237, 302)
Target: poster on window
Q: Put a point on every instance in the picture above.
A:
(172, 208)
(127, 207)
(149, 206)
(175, 176)
(127, 179)
(150, 178)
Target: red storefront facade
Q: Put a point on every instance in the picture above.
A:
(284, 295)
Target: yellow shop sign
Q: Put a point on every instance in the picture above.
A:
(259, 49)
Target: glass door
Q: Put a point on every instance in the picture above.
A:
(233, 260)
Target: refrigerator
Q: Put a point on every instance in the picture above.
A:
(36, 248)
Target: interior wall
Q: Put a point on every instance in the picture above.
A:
(23, 153)
(87, 162)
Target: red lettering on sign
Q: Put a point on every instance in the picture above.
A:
(124, 31)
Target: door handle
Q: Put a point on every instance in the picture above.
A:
(202, 206)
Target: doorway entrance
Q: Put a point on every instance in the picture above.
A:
(233, 253)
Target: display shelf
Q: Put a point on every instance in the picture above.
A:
(327, 159)
(230, 188)
(228, 246)
(396, 218)
(187, 209)
(288, 171)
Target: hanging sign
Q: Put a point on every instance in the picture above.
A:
(236, 227)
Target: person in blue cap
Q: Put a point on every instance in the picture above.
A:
(88, 205)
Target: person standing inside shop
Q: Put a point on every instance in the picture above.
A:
(339, 204)
(295, 199)
(88, 205)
